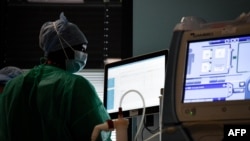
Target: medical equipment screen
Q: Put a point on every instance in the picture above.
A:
(218, 70)
(144, 74)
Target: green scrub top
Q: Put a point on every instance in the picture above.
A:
(50, 104)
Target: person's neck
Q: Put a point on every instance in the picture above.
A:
(55, 64)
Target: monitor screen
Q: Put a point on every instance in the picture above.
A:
(145, 74)
(217, 70)
(213, 74)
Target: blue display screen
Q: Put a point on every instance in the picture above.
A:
(218, 70)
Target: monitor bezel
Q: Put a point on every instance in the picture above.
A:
(200, 111)
(134, 112)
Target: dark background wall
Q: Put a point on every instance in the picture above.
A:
(21, 22)
(154, 20)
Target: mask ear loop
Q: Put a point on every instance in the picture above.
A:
(59, 37)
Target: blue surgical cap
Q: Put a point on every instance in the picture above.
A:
(8, 73)
(51, 32)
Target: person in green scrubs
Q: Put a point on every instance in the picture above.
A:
(50, 102)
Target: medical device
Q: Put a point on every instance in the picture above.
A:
(207, 82)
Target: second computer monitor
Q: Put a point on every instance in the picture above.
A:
(145, 74)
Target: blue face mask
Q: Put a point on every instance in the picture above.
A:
(80, 57)
(78, 63)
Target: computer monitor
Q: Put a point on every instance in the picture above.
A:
(213, 74)
(145, 74)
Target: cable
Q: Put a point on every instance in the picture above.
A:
(152, 136)
(143, 112)
(149, 130)
(160, 112)
(157, 133)
(160, 120)
(152, 131)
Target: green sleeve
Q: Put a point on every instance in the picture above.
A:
(87, 111)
